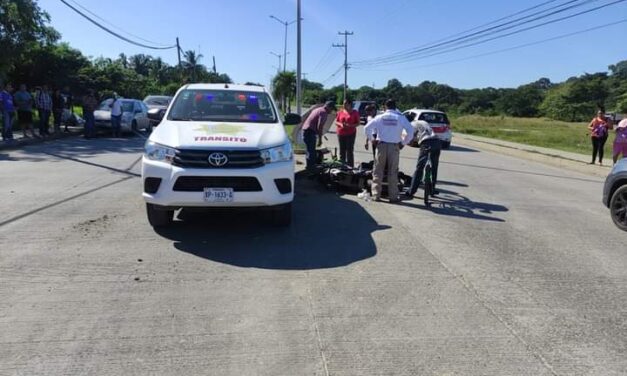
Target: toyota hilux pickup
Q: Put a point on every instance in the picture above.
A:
(219, 145)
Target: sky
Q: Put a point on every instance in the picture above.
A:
(241, 35)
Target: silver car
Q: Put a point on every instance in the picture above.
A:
(615, 194)
(134, 115)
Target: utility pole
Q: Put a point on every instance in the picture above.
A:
(298, 60)
(178, 50)
(286, 24)
(214, 65)
(345, 46)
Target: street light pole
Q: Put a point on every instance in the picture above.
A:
(298, 60)
(279, 56)
(286, 24)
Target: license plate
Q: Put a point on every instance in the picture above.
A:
(218, 194)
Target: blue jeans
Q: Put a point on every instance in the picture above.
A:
(44, 121)
(7, 125)
(436, 146)
(116, 124)
(309, 137)
(89, 123)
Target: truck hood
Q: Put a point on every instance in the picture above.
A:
(218, 135)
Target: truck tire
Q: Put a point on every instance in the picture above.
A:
(158, 218)
(282, 215)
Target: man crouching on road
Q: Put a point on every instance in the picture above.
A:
(389, 128)
(431, 145)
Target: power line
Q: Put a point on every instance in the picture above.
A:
(326, 54)
(332, 76)
(113, 32)
(563, 7)
(598, 27)
(112, 25)
(412, 57)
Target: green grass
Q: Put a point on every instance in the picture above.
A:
(572, 137)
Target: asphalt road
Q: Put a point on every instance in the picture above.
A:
(517, 270)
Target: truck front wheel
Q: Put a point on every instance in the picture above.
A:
(158, 217)
(282, 215)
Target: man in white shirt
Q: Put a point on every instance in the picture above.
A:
(430, 146)
(116, 116)
(389, 128)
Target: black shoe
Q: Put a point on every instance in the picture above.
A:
(408, 195)
(435, 192)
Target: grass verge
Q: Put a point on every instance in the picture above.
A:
(572, 137)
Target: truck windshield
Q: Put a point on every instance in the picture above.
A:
(223, 105)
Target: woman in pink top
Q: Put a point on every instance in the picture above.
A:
(620, 142)
(599, 128)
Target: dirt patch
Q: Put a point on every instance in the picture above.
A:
(94, 227)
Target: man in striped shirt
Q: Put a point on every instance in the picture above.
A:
(43, 101)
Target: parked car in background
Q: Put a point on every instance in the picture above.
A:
(615, 194)
(438, 121)
(157, 104)
(134, 115)
(360, 106)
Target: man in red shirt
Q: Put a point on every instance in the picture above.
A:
(346, 123)
(313, 127)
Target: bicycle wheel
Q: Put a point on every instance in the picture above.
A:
(428, 186)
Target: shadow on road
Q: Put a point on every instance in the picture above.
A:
(461, 149)
(79, 148)
(450, 203)
(328, 231)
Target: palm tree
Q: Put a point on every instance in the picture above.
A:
(140, 64)
(192, 63)
(123, 59)
(284, 87)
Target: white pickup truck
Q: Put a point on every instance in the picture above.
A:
(219, 145)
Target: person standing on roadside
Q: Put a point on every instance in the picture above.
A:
(371, 112)
(89, 106)
(24, 102)
(599, 129)
(44, 108)
(57, 110)
(314, 128)
(346, 123)
(7, 108)
(116, 116)
(68, 107)
(389, 128)
(620, 142)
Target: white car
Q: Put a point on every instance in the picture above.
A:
(134, 115)
(438, 121)
(219, 145)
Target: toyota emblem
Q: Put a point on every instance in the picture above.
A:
(217, 159)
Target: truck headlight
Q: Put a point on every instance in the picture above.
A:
(157, 152)
(281, 153)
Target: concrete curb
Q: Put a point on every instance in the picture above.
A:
(557, 158)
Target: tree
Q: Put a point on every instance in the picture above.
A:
(192, 64)
(284, 84)
(23, 25)
(141, 64)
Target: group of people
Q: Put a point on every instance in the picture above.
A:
(388, 133)
(22, 103)
(600, 128)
